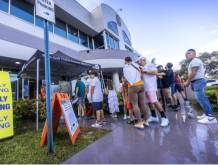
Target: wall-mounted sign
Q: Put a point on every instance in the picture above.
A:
(6, 107)
(45, 9)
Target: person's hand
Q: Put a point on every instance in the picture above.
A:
(187, 83)
(141, 70)
(162, 74)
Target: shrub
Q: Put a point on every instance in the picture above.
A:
(26, 109)
(212, 93)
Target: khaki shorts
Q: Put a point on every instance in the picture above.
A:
(167, 92)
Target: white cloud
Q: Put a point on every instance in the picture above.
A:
(210, 46)
(148, 52)
(214, 32)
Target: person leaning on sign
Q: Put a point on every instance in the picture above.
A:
(196, 77)
(97, 98)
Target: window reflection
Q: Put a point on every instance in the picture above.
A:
(83, 39)
(113, 27)
(73, 34)
(23, 10)
(126, 38)
(60, 28)
(112, 42)
(39, 22)
(4, 5)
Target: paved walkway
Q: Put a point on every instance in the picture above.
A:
(184, 141)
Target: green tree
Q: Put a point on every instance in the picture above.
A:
(210, 61)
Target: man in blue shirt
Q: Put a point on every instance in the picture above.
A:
(80, 93)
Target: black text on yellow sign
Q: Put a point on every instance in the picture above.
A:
(6, 108)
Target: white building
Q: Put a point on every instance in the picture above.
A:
(99, 37)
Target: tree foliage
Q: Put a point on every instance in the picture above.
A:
(210, 61)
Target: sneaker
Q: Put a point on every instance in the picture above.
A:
(146, 123)
(130, 122)
(201, 117)
(164, 122)
(191, 115)
(208, 120)
(187, 103)
(125, 117)
(96, 125)
(153, 119)
(139, 125)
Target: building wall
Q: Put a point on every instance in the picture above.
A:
(20, 32)
(109, 14)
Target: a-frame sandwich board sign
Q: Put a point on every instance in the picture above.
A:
(61, 106)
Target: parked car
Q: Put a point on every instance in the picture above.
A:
(212, 83)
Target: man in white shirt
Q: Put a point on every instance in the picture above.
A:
(196, 77)
(150, 73)
(136, 92)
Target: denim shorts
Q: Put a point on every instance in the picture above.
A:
(97, 106)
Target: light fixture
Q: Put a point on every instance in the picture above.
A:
(17, 62)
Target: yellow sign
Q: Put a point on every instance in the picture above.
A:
(6, 107)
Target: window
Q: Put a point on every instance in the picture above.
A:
(4, 5)
(50, 27)
(126, 39)
(39, 22)
(83, 39)
(90, 43)
(116, 44)
(112, 42)
(23, 10)
(127, 48)
(73, 34)
(99, 41)
(60, 28)
(113, 27)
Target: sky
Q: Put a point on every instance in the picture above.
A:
(165, 29)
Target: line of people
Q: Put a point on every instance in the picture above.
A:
(145, 90)
(141, 78)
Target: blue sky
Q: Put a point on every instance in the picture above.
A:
(165, 29)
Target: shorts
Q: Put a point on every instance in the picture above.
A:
(179, 88)
(97, 106)
(173, 89)
(81, 100)
(167, 92)
(151, 97)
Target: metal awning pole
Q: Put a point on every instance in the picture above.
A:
(22, 88)
(37, 94)
(17, 89)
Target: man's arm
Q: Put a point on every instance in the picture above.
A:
(191, 75)
(151, 72)
(92, 91)
(77, 90)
